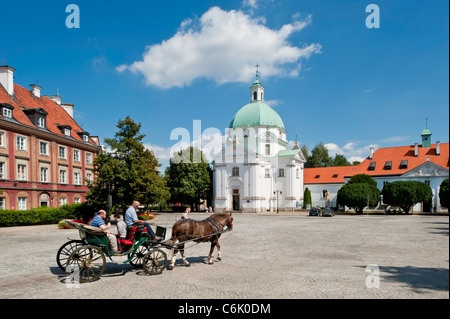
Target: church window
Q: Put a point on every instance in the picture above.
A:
(255, 96)
(297, 173)
(281, 172)
(267, 149)
(267, 172)
(235, 171)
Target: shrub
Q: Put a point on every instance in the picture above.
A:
(406, 194)
(34, 216)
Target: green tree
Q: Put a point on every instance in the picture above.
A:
(188, 177)
(359, 192)
(340, 160)
(128, 171)
(307, 198)
(444, 193)
(406, 194)
(319, 157)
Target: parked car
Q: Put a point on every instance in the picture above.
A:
(327, 212)
(314, 212)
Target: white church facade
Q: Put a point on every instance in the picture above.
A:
(255, 172)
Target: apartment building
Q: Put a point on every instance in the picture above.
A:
(46, 158)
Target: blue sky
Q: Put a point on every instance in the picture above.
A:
(168, 63)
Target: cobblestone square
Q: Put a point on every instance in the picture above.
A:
(265, 256)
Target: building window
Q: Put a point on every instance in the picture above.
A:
(297, 173)
(43, 148)
(76, 155)
(63, 201)
(62, 176)
(267, 149)
(88, 158)
(2, 139)
(7, 112)
(427, 182)
(2, 170)
(21, 172)
(41, 122)
(2, 202)
(86, 138)
(21, 143)
(281, 172)
(77, 200)
(88, 177)
(67, 132)
(62, 152)
(44, 174)
(235, 171)
(267, 172)
(77, 178)
(22, 203)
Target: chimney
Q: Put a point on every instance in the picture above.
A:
(36, 89)
(7, 78)
(438, 148)
(55, 98)
(371, 153)
(68, 107)
(416, 149)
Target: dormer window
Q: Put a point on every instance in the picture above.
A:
(404, 164)
(6, 110)
(37, 116)
(85, 138)
(65, 129)
(388, 165)
(372, 166)
(41, 122)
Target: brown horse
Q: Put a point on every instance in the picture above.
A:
(206, 230)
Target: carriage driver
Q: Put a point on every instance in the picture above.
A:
(131, 219)
(97, 221)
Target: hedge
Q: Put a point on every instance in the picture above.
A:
(35, 216)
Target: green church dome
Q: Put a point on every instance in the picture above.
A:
(256, 113)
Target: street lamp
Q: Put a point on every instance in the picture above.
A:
(277, 197)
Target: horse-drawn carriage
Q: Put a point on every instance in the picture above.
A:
(88, 255)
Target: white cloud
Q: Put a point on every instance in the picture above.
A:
(351, 151)
(223, 46)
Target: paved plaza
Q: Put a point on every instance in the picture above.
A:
(265, 256)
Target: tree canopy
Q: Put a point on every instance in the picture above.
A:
(188, 176)
(406, 194)
(444, 193)
(127, 171)
(359, 192)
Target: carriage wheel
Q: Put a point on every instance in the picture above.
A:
(155, 261)
(65, 251)
(89, 261)
(139, 255)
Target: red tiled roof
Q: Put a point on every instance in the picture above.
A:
(24, 98)
(326, 175)
(402, 153)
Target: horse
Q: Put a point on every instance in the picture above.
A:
(206, 230)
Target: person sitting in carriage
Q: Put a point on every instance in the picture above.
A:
(131, 219)
(98, 221)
